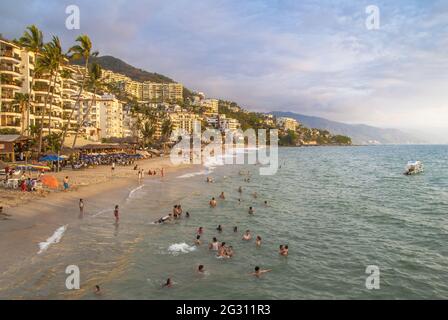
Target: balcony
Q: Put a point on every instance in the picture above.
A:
(9, 83)
(10, 109)
(10, 56)
(6, 69)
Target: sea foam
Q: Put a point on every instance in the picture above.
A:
(55, 238)
(177, 248)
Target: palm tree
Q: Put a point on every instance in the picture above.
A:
(59, 59)
(167, 128)
(148, 130)
(49, 62)
(33, 40)
(22, 100)
(94, 84)
(81, 51)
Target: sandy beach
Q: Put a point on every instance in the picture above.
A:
(34, 217)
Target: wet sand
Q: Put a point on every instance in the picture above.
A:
(36, 218)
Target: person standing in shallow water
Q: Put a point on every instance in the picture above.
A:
(116, 214)
(168, 283)
(81, 207)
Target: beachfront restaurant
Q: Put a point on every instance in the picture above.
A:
(13, 147)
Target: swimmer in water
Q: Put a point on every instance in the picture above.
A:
(201, 268)
(251, 210)
(200, 231)
(284, 252)
(265, 203)
(213, 203)
(187, 214)
(229, 252)
(222, 250)
(258, 272)
(168, 283)
(164, 219)
(222, 196)
(214, 245)
(219, 228)
(255, 195)
(280, 250)
(235, 229)
(198, 240)
(247, 236)
(258, 241)
(97, 290)
(240, 190)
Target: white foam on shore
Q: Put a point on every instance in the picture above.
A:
(131, 193)
(55, 238)
(193, 174)
(177, 248)
(101, 212)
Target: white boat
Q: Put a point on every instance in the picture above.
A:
(413, 167)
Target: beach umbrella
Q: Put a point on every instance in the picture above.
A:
(51, 157)
(50, 181)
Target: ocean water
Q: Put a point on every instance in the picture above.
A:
(339, 209)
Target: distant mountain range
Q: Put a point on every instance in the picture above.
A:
(360, 133)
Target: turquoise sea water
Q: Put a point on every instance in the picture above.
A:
(339, 209)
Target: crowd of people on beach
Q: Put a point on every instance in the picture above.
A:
(89, 160)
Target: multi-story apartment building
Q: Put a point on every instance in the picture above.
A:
(146, 91)
(161, 92)
(287, 123)
(211, 107)
(185, 121)
(16, 76)
(111, 117)
(228, 124)
(130, 86)
(88, 115)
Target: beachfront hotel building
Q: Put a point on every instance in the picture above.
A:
(286, 123)
(147, 90)
(16, 76)
(111, 117)
(184, 121)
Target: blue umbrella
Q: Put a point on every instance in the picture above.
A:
(51, 158)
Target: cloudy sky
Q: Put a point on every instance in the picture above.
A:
(312, 57)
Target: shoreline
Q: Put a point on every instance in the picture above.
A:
(36, 219)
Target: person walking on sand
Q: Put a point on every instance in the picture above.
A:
(113, 167)
(65, 182)
(116, 214)
(139, 175)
